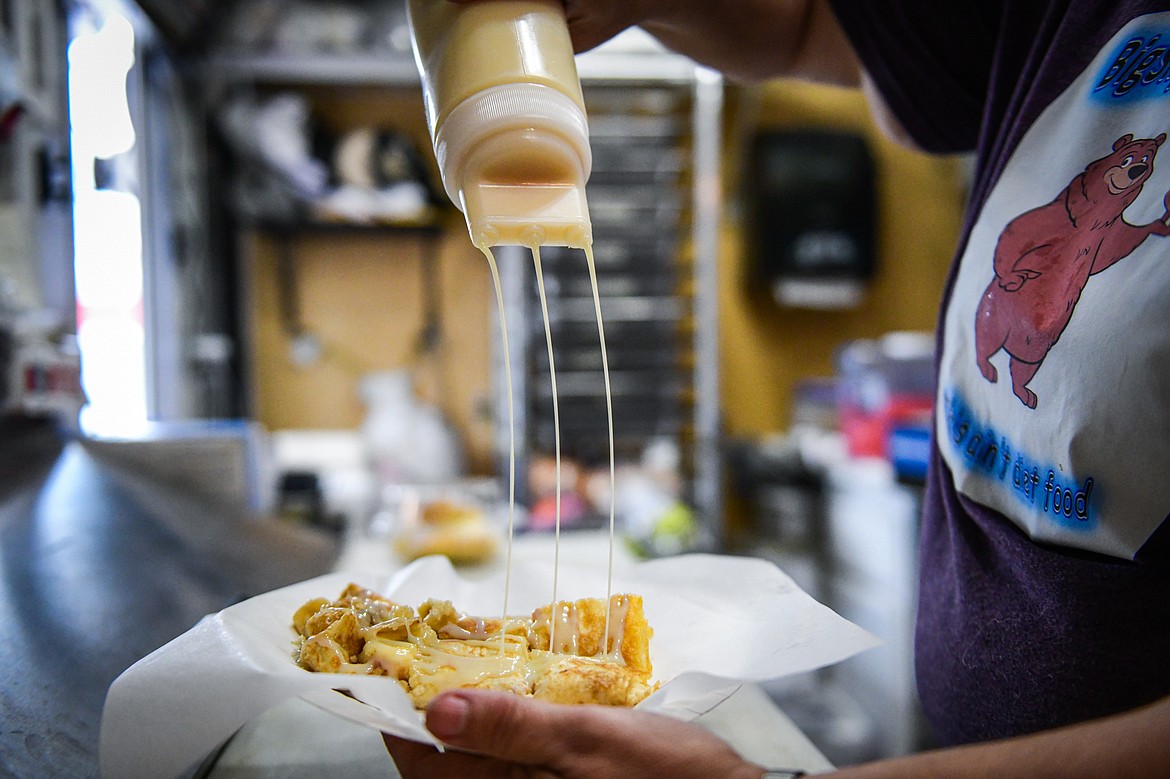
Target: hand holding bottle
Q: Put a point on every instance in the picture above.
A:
(745, 39)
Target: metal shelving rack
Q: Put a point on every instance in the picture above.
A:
(655, 202)
(36, 269)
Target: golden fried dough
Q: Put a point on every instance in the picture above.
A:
(438, 648)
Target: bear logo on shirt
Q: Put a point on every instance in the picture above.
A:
(1045, 256)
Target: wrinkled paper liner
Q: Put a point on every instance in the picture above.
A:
(717, 621)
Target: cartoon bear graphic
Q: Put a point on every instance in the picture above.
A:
(1044, 258)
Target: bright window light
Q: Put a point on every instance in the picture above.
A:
(107, 227)
(108, 235)
(98, 107)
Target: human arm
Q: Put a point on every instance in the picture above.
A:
(1134, 744)
(748, 40)
(756, 39)
(512, 737)
(753, 40)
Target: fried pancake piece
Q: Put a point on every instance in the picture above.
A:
(438, 648)
(367, 606)
(574, 680)
(330, 649)
(580, 629)
(302, 615)
(389, 658)
(447, 622)
(318, 653)
(455, 664)
(635, 635)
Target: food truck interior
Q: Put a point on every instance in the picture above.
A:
(246, 341)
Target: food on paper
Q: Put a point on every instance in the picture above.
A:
(579, 656)
(456, 530)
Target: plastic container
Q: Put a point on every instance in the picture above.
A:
(885, 384)
(406, 441)
(507, 118)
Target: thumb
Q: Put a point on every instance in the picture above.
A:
(501, 725)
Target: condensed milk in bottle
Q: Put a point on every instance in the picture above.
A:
(511, 137)
(507, 118)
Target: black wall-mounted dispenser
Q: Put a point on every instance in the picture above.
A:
(811, 216)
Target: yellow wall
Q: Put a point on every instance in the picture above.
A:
(363, 296)
(766, 350)
(362, 293)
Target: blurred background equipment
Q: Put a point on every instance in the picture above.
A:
(222, 218)
(812, 218)
(653, 247)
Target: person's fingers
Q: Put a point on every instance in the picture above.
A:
(503, 725)
(506, 736)
(591, 23)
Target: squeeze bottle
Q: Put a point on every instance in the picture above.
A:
(507, 119)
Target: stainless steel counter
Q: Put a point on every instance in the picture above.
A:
(97, 569)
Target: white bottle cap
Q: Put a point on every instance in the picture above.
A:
(516, 119)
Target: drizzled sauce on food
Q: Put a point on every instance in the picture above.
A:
(563, 631)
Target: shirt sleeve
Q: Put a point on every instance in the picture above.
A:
(931, 61)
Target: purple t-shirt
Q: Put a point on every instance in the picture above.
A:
(1045, 557)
